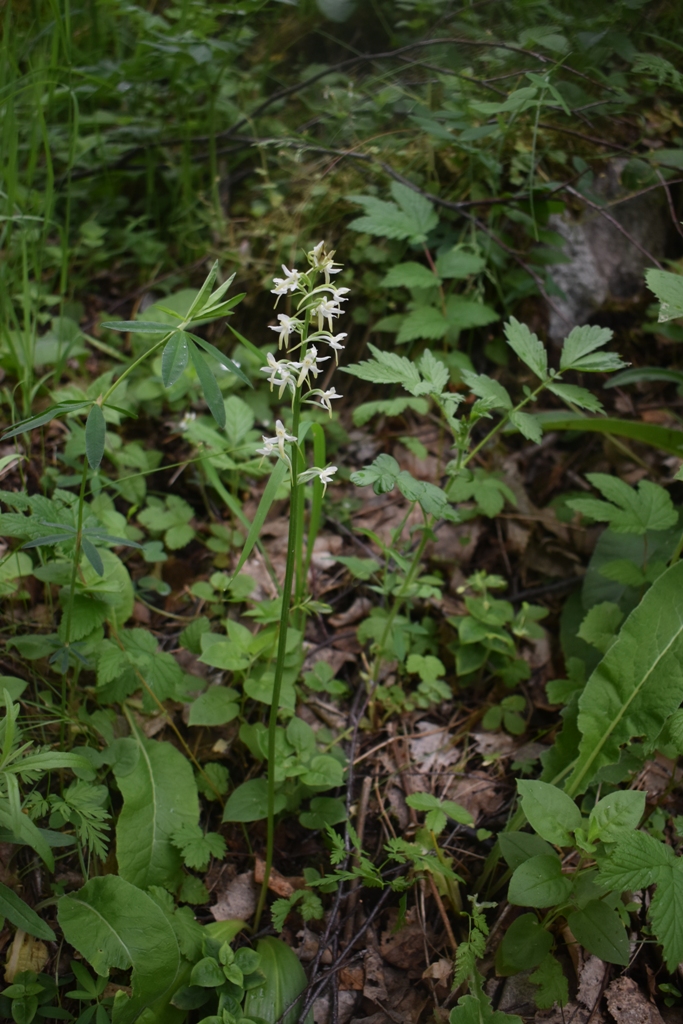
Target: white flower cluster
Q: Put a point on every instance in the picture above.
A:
(318, 306)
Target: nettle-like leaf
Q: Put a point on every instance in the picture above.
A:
(669, 290)
(410, 216)
(385, 473)
(579, 351)
(600, 625)
(424, 322)
(628, 510)
(574, 395)
(637, 685)
(458, 263)
(528, 425)
(386, 368)
(488, 490)
(196, 847)
(494, 394)
(362, 414)
(410, 275)
(638, 861)
(528, 347)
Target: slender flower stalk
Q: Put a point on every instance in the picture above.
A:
(321, 304)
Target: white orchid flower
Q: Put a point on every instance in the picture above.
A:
(323, 475)
(280, 373)
(309, 365)
(321, 260)
(326, 398)
(288, 283)
(271, 444)
(287, 325)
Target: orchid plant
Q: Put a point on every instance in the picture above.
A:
(301, 335)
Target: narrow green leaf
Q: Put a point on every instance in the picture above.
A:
(638, 683)
(62, 409)
(203, 294)
(212, 393)
(20, 914)
(644, 375)
(223, 360)
(663, 438)
(267, 498)
(95, 434)
(174, 358)
(93, 555)
(139, 326)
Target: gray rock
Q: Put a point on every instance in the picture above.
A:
(604, 266)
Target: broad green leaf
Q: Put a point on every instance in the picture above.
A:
(549, 811)
(217, 706)
(638, 683)
(601, 931)
(525, 944)
(284, 980)
(635, 862)
(574, 395)
(528, 347)
(615, 814)
(113, 924)
(539, 882)
(669, 290)
(239, 419)
(20, 914)
(410, 275)
(159, 795)
(249, 802)
(666, 912)
(210, 389)
(580, 343)
(462, 313)
(95, 434)
(138, 326)
(412, 218)
(517, 847)
(628, 510)
(174, 358)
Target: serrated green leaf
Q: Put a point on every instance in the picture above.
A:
(552, 984)
(528, 347)
(529, 426)
(210, 389)
(666, 912)
(580, 343)
(95, 434)
(381, 474)
(113, 924)
(669, 290)
(574, 395)
(410, 275)
(638, 683)
(622, 570)
(458, 264)
(174, 358)
(462, 314)
(386, 368)
(435, 372)
(362, 414)
(487, 388)
(424, 322)
(217, 706)
(600, 625)
(628, 510)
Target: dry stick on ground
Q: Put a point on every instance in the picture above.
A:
(355, 882)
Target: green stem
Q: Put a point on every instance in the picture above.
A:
(499, 426)
(77, 554)
(295, 512)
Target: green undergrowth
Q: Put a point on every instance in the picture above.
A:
(176, 482)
